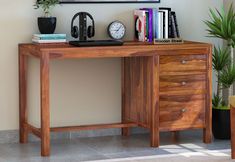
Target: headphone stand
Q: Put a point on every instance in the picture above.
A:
(82, 26)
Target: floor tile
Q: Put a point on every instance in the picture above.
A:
(110, 147)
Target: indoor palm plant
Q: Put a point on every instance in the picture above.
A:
(222, 25)
(47, 23)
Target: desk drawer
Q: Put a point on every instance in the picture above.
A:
(170, 83)
(182, 63)
(182, 111)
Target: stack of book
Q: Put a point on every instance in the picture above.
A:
(156, 24)
(49, 38)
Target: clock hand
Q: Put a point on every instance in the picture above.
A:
(118, 29)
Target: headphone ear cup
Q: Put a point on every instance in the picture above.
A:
(74, 32)
(90, 31)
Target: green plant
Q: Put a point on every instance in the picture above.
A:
(46, 6)
(218, 103)
(222, 25)
(220, 60)
(227, 77)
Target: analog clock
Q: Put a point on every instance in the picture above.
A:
(116, 30)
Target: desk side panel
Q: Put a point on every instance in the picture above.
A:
(137, 87)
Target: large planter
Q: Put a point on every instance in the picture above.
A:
(221, 124)
(46, 25)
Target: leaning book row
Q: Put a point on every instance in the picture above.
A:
(155, 23)
(49, 38)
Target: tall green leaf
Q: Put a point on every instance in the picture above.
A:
(222, 25)
(220, 58)
(227, 77)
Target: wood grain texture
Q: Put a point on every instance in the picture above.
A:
(232, 120)
(93, 127)
(45, 105)
(185, 111)
(183, 63)
(129, 49)
(155, 123)
(138, 90)
(164, 87)
(125, 90)
(34, 130)
(182, 82)
(207, 132)
(23, 116)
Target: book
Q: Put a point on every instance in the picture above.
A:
(149, 25)
(155, 23)
(160, 25)
(140, 25)
(175, 29)
(49, 41)
(165, 22)
(168, 20)
(49, 36)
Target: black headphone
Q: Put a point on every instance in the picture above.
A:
(90, 30)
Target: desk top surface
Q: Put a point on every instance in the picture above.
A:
(130, 48)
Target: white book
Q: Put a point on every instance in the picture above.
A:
(166, 20)
(140, 21)
(49, 41)
(160, 25)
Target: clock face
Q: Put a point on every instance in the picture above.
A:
(116, 30)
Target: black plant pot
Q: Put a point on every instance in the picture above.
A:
(221, 124)
(46, 25)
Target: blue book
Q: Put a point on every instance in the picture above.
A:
(49, 36)
(155, 23)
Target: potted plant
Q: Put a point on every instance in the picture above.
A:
(222, 25)
(46, 24)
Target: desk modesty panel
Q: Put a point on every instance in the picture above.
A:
(164, 87)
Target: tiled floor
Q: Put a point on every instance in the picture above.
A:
(100, 148)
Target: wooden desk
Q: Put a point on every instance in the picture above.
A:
(232, 124)
(155, 78)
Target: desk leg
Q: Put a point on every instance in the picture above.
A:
(125, 131)
(207, 131)
(232, 122)
(45, 112)
(23, 97)
(153, 68)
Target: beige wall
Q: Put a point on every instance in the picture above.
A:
(82, 91)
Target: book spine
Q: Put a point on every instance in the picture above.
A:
(163, 25)
(140, 22)
(176, 25)
(147, 26)
(49, 35)
(49, 41)
(153, 25)
(174, 32)
(49, 38)
(168, 21)
(136, 19)
(160, 25)
(156, 23)
(170, 25)
(150, 25)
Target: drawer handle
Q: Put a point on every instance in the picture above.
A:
(183, 83)
(183, 110)
(184, 62)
